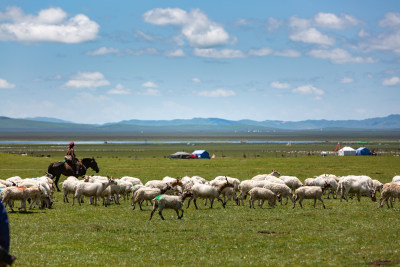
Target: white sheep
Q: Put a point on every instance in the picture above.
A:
(396, 178)
(309, 192)
(91, 190)
(331, 180)
(377, 185)
(292, 181)
(282, 190)
(246, 185)
(262, 194)
(228, 192)
(13, 193)
(210, 192)
(162, 202)
(360, 185)
(147, 193)
(132, 180)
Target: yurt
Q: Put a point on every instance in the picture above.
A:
(201, 154)
(347, 151)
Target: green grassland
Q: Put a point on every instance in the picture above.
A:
(344, 234)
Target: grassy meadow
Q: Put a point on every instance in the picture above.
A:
(344, 234)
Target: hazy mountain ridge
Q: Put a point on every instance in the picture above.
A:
(391, 122)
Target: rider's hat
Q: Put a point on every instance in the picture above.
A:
(71, 144)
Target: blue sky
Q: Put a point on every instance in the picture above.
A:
(107, 61)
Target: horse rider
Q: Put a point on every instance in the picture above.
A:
(71, 159)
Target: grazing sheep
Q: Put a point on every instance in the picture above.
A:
(292, 181)
(210, 192)
(262, 176)
(309, 181)
(228, 192)
(148, 193)
(283, 190)
(390, 192)
(309, 192)
(162, 202)
(377, 185)
(359, 185)
(91, 190)
(262, 194)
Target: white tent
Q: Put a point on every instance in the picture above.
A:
(347, 151)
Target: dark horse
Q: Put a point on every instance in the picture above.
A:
(58, 168)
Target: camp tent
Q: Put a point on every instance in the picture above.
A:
(347, 151)
(363, 151)
(201, 154)
(180, 155)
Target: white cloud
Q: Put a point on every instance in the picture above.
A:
(273, 24)
(149, 85)
(6, 85)
(391, 19)
(102, 51)
(308, 89)
(87, 80)
(339, 56)
(287, 53)
(175, 53)
(331, 21)
(119, 90)
(260, 52)
(311, 36)
(280, 85)
(195, 26)
(217, 93)
(214, 53)
(196, 80)
(391, 81)
(139, 52)
(50, 25)
(144, 36)
(347, 80)
(150, 92)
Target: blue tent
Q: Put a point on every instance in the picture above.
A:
(201, 154)
(363, 151)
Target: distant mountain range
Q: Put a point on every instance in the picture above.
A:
(39, 124)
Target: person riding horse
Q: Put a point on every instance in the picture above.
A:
(71, 159)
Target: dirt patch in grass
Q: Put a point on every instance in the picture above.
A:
(380, 262)
(271, 233)
(95, 227)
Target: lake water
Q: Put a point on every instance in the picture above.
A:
(12, 142)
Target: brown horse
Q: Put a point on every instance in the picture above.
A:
(62, 167)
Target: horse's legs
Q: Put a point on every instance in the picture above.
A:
(56, 182)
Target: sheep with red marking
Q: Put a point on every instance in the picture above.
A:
(22, 194)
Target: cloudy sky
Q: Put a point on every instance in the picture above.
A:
(107, 61)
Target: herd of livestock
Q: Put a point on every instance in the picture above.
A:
(170, 193)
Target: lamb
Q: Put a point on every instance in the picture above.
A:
(206, 191)
(281, 189)
(356, 184)
(309, 192)
(246, 185)
(162, 202)
(91, 190)
(390, 192)
(262, 194)
(292, 181)
(147, 193)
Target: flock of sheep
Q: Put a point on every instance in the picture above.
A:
(170, 193)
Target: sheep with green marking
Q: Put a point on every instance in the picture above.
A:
(162, 202)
